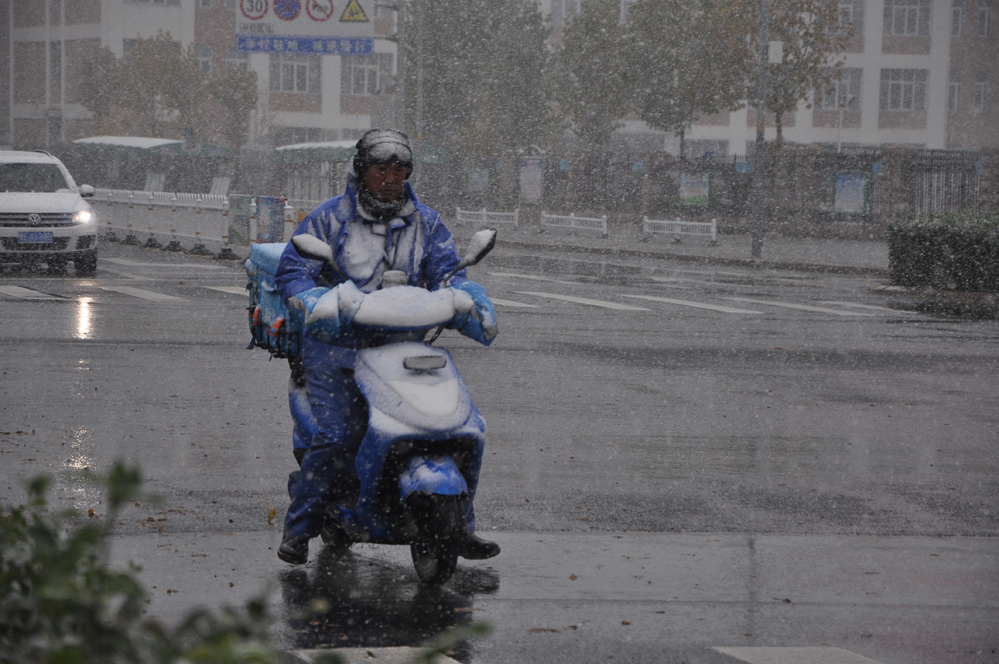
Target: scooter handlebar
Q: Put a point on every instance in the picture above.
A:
(402, 308)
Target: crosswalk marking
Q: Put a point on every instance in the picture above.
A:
(584, 300)
(697, 305)
(872, 307)
(533, 277)
(793, 655)
(511, 303)
(144, 294)
(235, 290)
(27, 293)
(800, 307)
(147, 264)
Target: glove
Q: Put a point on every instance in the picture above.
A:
(475, 319)
(329, 313)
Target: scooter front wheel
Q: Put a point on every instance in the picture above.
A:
(333, 536)
(441, 526)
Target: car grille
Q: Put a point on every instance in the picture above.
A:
(46, 219)
(57, 244)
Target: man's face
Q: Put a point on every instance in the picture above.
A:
(385, 181)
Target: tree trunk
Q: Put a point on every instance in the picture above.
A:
(683, 152)
(778, 114)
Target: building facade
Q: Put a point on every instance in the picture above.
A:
(301, 97)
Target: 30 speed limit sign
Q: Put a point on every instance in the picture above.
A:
(253, 9)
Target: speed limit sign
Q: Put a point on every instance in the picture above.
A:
(253, 9)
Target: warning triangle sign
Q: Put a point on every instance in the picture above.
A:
(353, 13)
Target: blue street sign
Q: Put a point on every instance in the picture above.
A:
(314, 45)
(876, 168)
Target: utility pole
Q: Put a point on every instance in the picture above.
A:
(419, 71)
(759, 159)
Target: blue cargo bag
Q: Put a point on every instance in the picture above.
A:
(273, 327)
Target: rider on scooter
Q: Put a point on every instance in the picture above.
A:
(376, 226)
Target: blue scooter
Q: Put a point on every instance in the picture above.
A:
(417, 466)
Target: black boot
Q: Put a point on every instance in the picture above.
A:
(294, 550)
(476, 548)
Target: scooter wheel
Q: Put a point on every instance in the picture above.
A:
(441, 525)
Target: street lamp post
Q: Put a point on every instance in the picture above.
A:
(756, 224)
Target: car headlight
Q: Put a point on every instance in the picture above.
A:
(83, 217)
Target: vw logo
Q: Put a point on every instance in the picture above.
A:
(34, 219)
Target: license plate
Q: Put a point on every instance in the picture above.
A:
(35, 237)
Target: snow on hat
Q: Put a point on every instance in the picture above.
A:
(378, 146)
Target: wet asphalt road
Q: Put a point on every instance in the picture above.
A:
(716, 467)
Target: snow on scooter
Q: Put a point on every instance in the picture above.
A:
(417, 466)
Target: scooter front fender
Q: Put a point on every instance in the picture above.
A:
(431, 475)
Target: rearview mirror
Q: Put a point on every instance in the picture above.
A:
(86, 191)
(309, 246)
(481, 244)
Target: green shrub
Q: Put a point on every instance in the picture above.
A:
(953, 250)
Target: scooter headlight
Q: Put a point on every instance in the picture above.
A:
(83, 217)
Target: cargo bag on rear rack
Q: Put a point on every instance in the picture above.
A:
(271, 324)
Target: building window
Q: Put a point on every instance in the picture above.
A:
(563, 11)
(204, 4)
(903, 89)
(954, 91)
(205, 58)
(236, 58)
(843, 92)
(852, 13)
(981, 90)
(985, 14)
(957, 18)
(363, 75)
(294, 73)
(907, 18)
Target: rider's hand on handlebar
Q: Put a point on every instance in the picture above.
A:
(477, 322)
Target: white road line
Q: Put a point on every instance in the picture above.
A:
(801, 307)
(144, 294)
(235, 290)
(872, 307)
(27, 293)
(533, 278)
(123, 274)
(697, 305)
(776, 655)
(125, 261)
(511, 303)
(583, 300)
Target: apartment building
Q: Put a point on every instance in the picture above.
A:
(303, 97)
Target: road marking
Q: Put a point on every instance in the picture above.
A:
(122, 274)
(27, 293)
(698, 305)
(533, 278)
(772, 655)
(873, 307)
(583, 300)
(396, 655)
(144, 294)
(235, 290)
(125, 261)
(511, 303)
(802, 307)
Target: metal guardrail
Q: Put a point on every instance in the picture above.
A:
(484, 216)
(678, 228)
(573, 222)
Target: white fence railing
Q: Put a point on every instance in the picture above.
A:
(573, 222)
(484, 216)
(678, 228)
(198, 217)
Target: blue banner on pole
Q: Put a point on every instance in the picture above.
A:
(306, 45)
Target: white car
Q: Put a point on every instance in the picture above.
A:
(43, 217)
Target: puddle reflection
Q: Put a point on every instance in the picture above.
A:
(83, 318)
(353, 601)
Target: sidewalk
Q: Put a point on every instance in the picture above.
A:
(821, 255)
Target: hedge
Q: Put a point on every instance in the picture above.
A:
(954, 250)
